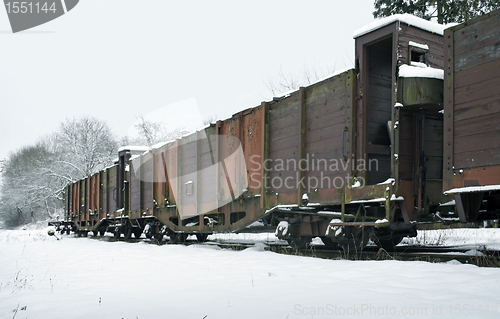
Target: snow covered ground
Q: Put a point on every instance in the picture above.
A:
(473, 238)
(42, 277)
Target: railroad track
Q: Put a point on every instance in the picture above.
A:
(435, 254)
(483, 258)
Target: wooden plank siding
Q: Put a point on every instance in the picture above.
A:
(135, 184)
(476, 59)
(284, 135)
(326, 114)
(112, 191)
(472, 103)
(406, 148)
(147, 182)
(433, 146)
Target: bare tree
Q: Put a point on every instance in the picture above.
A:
(3, 162)
(27, 191)
(84, 146)
(292, 81)
(210, 119)
(151, 132)
(34, 178)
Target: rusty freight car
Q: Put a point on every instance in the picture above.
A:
(353, 157)
(472, 117)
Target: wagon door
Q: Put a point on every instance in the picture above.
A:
(421, 155)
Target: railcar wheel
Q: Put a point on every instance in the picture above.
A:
(389, 244)
(183, 237)
(128, 232)
(137, 232)
(117, 232)
(356, 239)
(351, 246)
(329, 243)
(300, 242)
(177, 237)
(148, 231)
(158, 236)
(201, 238)
(68, 231)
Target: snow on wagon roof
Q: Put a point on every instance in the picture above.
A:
(406, 18)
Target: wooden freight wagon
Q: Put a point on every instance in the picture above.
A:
(356, 156)
(472, 117)
(92, 200)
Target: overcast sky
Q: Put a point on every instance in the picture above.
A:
(117, 59)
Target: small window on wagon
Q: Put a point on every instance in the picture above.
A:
(418, 54)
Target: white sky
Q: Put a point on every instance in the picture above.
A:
(117, 59)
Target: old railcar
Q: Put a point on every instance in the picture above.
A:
(354, 157)
(472, 115)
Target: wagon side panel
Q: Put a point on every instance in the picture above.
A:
(328, 138)
(472, 103)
